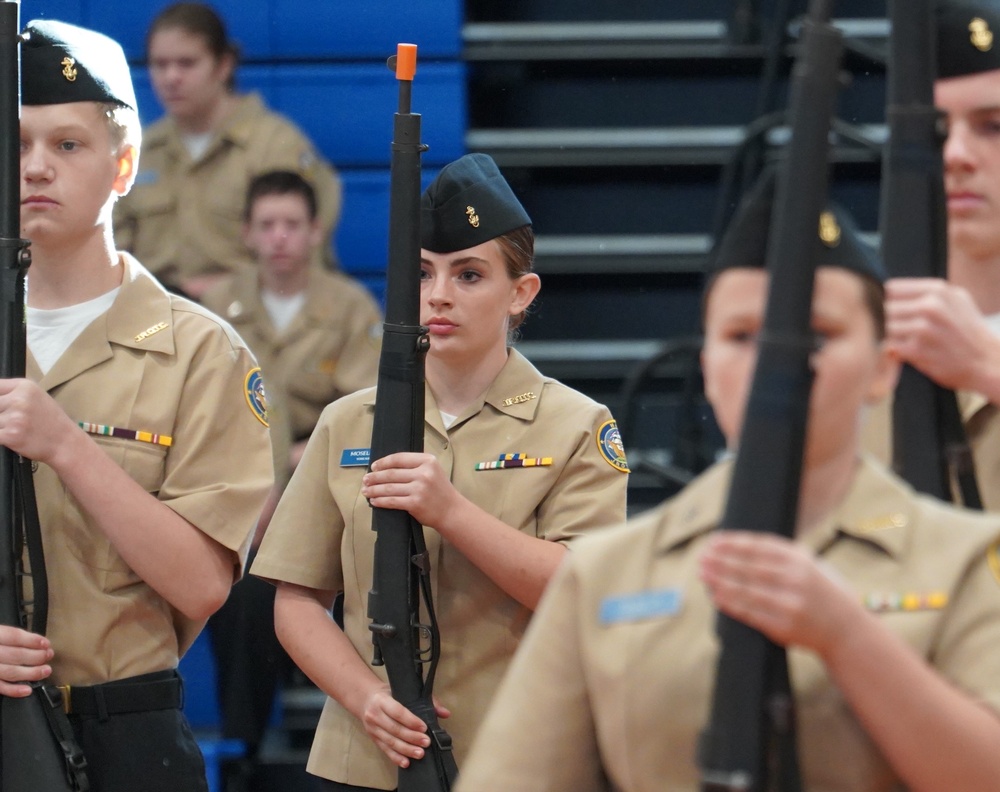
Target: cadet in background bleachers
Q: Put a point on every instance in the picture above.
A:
(315, 333)
(183, 216)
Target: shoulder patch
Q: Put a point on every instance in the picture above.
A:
(609, 443)
(253, 389)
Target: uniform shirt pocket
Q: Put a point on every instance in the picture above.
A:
(145, 464)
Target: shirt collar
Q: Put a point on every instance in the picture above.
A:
(699, 508)
(515, 391)
(141, 316)
(517, 387)
(237, 128)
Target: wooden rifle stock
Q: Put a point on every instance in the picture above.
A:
(928, 440)
(401, 571)
(37, 749)
(749, 743)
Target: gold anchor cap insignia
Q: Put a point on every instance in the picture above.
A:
(980, 34)
(829, 229)
(470, 211)
(69, 68)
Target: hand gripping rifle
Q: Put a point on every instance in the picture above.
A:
(401, 572)
(928, 439)
(749, 743)
(37, 747)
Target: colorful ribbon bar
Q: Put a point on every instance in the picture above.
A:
(514, 461)
(894, 603)
(126, 434)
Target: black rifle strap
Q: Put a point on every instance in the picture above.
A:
(957, 451)
(27, 507)
(421, 560)
(76, 763)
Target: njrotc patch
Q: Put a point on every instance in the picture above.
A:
(609, 443)
(253, 389)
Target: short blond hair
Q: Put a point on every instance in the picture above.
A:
(123, 123)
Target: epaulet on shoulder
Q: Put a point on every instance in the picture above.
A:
(352, 401)
(199, 313)
(570, 393)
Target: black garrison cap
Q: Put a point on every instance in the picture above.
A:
(967, 32)
(62, 63)
(468, 203)
(744, 244)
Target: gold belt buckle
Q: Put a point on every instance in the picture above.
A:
(66, 697)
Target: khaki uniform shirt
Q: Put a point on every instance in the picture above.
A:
(330, 349)
(982, 428)
(184, 218)
(321, 537)
(612, 685)
(154, 363)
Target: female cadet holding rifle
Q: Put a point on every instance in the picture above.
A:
(888, 601)
(515, 464)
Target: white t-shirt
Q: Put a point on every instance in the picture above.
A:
(197, 145)
(281, 309)
(50, 332)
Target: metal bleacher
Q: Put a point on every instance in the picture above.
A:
(614, 122)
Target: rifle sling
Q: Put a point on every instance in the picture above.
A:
(51, 698)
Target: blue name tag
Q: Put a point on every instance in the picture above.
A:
(355, 457)
(644, 605)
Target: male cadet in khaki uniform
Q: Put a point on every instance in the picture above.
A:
(515, 465)
(182, 218)
(315, 333)
(888, 601)
(950, 330)
(146, 417)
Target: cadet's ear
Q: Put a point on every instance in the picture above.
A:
(886, 375)
(128, 158)
(526, 288)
